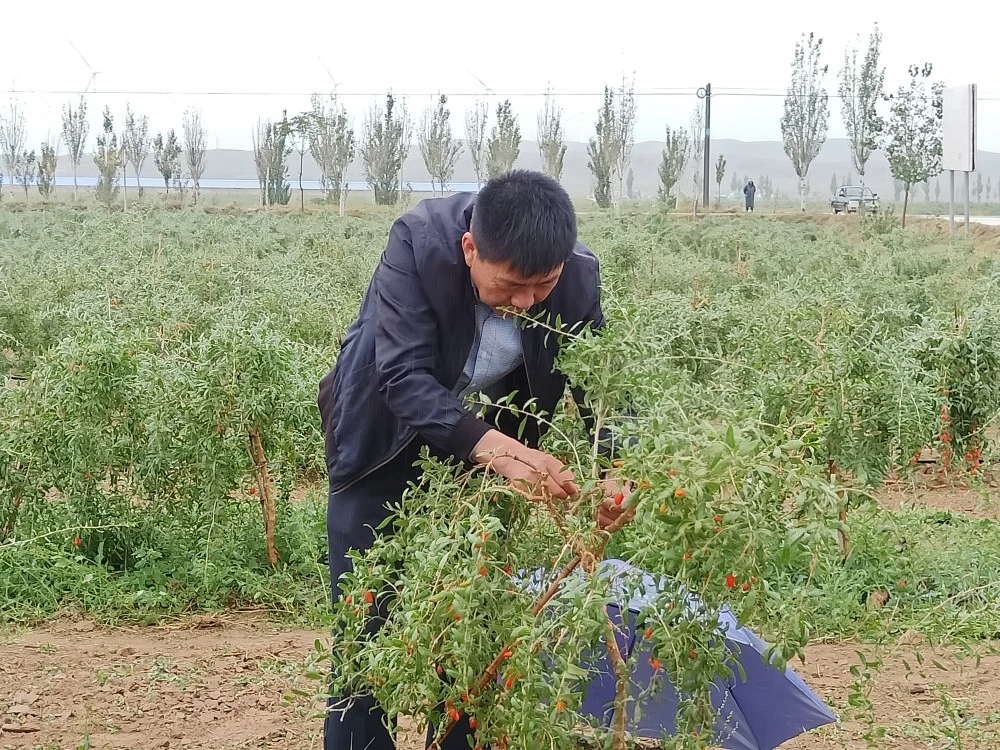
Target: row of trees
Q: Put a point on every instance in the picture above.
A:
(980, 191)
(326, 132)
(911, 135)
(114, 153)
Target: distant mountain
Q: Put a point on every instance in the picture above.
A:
(746, 159)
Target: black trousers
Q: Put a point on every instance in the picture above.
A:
(352, 514)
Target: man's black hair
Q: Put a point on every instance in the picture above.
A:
(525, 219)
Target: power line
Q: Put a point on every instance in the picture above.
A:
(655, 92)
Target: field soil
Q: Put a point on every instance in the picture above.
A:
(221, 682)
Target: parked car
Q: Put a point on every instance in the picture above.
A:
(848, 198)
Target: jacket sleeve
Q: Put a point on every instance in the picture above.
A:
(405, 329)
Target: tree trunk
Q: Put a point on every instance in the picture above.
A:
(124, 189)
(302, 194)
(861, 205)
(802, 194)
(74, 180)
(906, 200)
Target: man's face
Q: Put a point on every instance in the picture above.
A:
(500, 286)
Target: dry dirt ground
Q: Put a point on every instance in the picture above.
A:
(220, 683)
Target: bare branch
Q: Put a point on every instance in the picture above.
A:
(806, 115)
(135, 142)
(12, 140)
(476, 125)
(194, 148)
(861, 90)
(551, 147)
(438, 148)
(74, 130)
(332, 144)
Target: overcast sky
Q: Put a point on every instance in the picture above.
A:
(514, 47)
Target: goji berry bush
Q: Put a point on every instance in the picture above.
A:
(160, 449)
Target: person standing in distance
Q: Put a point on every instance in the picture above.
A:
(430, 331)
(749, 192)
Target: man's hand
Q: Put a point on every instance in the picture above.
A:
(615, 503)
(530, 472)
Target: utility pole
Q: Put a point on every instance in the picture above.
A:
(706, 94)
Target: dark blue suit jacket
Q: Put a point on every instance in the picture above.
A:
(406, 350)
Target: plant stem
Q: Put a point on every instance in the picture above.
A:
(266, 486)
(618, 736)
(490, 673)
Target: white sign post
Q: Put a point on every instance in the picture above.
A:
(958, 143)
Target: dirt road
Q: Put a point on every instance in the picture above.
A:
(220, 684)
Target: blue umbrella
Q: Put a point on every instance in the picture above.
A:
(759, 712)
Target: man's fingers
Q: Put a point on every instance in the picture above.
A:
(535, 474)
(557, 490)
(571, 487)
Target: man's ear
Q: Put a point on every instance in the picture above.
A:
(468, 248)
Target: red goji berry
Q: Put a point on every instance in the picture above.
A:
(679, 493)
(730, 581)
(654, 663)
(648, 633)
(619, 498)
